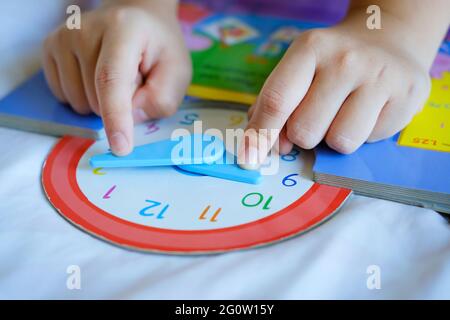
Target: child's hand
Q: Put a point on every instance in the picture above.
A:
(127, 61)
(344, 84)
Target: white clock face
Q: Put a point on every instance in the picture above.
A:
(170, 198)
(166, 209)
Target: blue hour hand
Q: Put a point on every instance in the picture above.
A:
(226, 168)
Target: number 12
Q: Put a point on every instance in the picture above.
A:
(144, 212)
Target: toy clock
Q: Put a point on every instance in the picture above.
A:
(169, 210)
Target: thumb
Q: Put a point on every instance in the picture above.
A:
(282, 92)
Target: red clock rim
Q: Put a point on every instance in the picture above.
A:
(59, 178)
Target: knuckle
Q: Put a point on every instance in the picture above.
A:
(347, 59)
(84, 40)
(119, 15)
(111, 114)
(413, 89)
(55, 40)
(124, 15)
(340, 143)
(381, 73)
(61, 36)
(272, 103)
(263, 135)
(301, 136)
(105, 76)
(47, 44)
(314, 38)
(260, 137)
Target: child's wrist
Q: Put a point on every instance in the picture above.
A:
(419, 35)
(395, 32)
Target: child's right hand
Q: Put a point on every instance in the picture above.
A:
(127, 62)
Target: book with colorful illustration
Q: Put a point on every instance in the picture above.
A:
(235, 44)
(234, 50)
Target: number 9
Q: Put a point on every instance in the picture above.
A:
(288, 181)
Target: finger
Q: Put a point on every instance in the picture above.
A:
(400, 109)
(250, 112)
(116, 72)
(394, 116)
(138, 114)
(87, 67)
(355, 120)
(72, 82)
(281, 93)
(164, 88)
(87, 51)
(51, 74)
(283, 145)
(311, 120)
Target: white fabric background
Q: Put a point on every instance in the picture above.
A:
(411, 245)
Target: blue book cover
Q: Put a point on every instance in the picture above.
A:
(32, 107)
(390, 171)
(386, 162)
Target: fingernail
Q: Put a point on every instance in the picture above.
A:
(140, 115)
(119, 144)
(252, 154)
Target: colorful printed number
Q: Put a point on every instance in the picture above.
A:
(189, 119)
(214, 216)
(291, 156)
(146, 213)
(236, 119)
(152, 127)
(254, 199)
(108, 193)
(288, 181)
(98, 172)
(425, 141)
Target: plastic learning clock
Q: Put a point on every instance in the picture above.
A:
(165, 209)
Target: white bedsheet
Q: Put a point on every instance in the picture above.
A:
(410, 245)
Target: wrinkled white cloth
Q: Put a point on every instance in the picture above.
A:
(411, 246)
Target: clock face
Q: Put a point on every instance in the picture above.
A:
(167, 209)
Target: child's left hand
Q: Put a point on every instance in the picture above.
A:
(344, 84)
